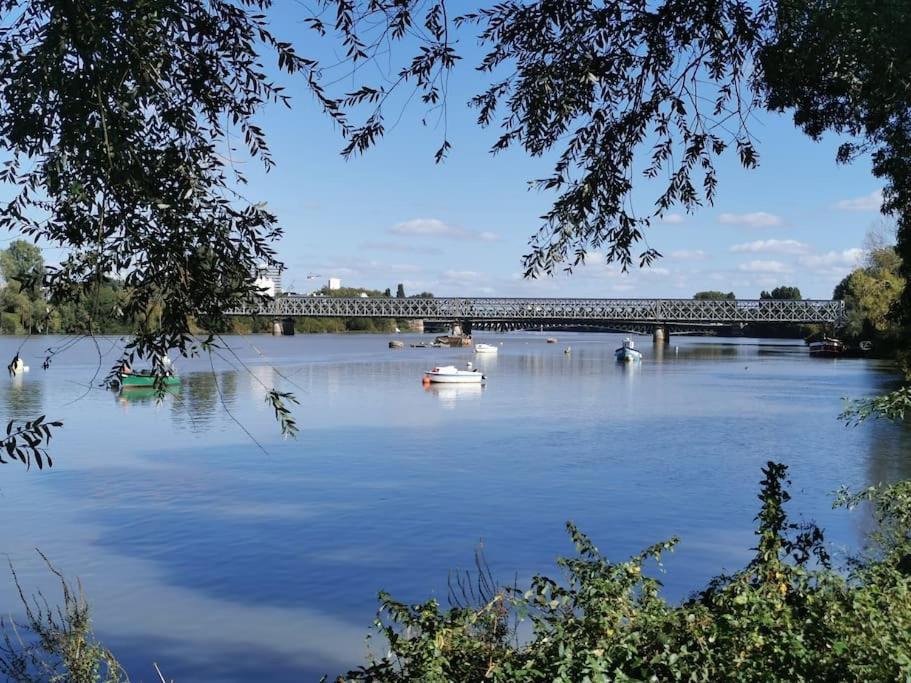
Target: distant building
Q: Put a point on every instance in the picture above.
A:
(335, 283)
(269, 280)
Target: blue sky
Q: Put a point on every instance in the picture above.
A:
(461, 227)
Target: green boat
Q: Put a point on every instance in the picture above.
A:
(147, 381)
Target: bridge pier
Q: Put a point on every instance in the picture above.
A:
(283, 327)
(461, 328)
(661, 335)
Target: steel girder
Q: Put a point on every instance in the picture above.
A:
(664, 311)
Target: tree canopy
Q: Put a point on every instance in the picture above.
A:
(115, 121)
(870, 294)
(782, 293)
(714, 295)
(648, 95)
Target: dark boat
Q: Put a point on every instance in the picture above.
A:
(827, 347)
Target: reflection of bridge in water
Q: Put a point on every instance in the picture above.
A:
(657, 316)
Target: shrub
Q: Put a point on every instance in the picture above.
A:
(55, 644)
(788, 615)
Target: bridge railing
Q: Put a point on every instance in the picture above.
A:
(667, 311)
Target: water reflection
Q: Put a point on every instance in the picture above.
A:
(450, 395)
(143, 395)
(658, 351)
(23, 397)
(203, 397)
(486, 361)
(630, 372)
(696, 352)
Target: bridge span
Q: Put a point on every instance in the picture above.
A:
(661, 315)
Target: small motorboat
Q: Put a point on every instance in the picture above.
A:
(551, 340)
(485, 348)
(450, 374)
(827, 347)
(628, 352)
(396, 344)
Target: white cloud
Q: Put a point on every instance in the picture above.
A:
(399, 248)
(870, 202)
(689, 255)
(672, 218)
(434, 227)
(771, 247)
(764, 267)
(651, 271)
(463, 275)
(424, 227)
(757, 219)
(848, 258)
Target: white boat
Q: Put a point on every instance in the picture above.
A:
(17, 367)
(628, 352)
(450, 374)
(485, 348)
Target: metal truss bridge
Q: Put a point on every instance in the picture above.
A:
(666, 313)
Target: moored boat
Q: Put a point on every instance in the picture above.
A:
(453, 340)
(485, 348)
(628, 352)
(450, 374)
(130, 381)
(827, 347)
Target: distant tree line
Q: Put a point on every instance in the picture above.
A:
(99, 308)
(24, 308)
(781, 293)
(382, 325)
(712, 295)
(774, 330)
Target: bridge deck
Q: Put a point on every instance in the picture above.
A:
(665, 311)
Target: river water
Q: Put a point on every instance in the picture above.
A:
(208, 544)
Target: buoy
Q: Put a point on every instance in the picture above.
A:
(425, 381)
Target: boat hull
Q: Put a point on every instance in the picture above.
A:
(146, 381)
(485, 348)
(827, 348)
(466, 378)
(627, 355)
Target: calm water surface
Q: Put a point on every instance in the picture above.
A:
(223, 560)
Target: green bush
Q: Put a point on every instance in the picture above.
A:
(788, 615)
(10, 324)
